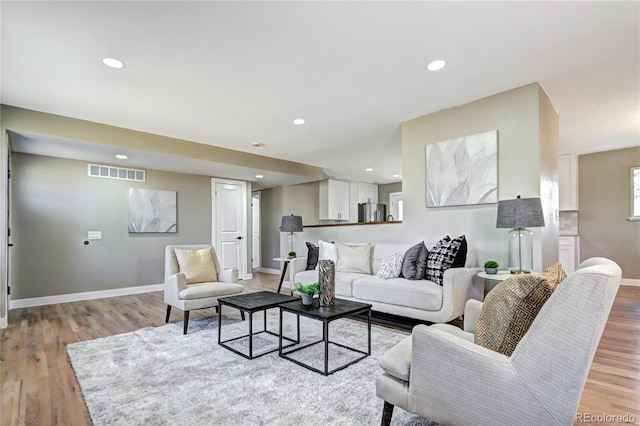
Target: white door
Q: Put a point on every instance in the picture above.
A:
(396, 205)
(229, 223)
(255, 243)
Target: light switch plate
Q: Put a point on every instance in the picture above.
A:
(95, 235)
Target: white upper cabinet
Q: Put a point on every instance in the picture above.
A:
(367, 193)
(334, 200)
(568, 182)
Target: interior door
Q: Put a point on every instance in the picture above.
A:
(255, 228)
(396, 205)
(229, 223)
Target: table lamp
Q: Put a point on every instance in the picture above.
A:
(520, 214)
(291, 224)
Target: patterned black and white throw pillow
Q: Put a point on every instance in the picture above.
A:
(442, 257)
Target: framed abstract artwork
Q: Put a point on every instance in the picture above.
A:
(462, 171)
(152, 211)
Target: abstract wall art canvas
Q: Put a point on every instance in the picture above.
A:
(463, 171)
(152, 210)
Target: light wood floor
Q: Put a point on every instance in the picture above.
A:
(39, 386)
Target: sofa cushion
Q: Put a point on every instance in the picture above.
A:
(344, 281)
(413, 264)
(442, 257)
(312, 256)
(391, 266)
(508, 311)
(396, 361)
(353, 258)
(196, 265)
(419, 294)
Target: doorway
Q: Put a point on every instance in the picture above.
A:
(229, 223)
(256, 260)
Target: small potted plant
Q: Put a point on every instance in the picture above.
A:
(307, 292)
(292, 254)
(491, 267)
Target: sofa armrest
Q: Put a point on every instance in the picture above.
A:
(458, 286)
(297, 264)
(471, 313)
(229, 275)
(173, 285)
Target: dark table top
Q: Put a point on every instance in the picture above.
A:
(256, 301)
(340, 309)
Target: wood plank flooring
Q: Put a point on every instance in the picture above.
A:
(39, 386)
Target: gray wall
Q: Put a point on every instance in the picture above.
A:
(604, 191)
(384, 191)
(55, 203)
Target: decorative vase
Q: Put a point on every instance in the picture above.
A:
(491, 270)
(307, 298)
(327, 273)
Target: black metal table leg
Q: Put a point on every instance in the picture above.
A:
(280, 336)
(369, 330)
(219, 322)
(325, 333)
(250, 334)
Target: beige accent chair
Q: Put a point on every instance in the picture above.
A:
(179, 294)
(440, 374)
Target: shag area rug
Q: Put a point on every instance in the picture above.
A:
(158, 376)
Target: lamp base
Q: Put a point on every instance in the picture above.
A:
(518, 271)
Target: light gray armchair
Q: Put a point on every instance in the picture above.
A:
(179, 294)
(440, 374)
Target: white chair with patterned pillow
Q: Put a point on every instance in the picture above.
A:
(442, 374)
(193, 279)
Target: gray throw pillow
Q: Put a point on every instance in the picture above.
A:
(410, 263)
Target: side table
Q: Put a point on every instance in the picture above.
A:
(285, 264)
(495, 278)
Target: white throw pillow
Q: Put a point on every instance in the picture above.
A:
(197, 265)
(354, 258)
(327, 251)
(391, 266)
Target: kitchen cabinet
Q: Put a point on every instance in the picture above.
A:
(367, 193)
(334, 200)
(569, 254)
(568, 182)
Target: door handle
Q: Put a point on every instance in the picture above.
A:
(238, 238)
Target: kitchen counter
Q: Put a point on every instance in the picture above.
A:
(353, 224)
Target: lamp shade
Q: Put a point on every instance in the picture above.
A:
(520, 213)
(291, 224)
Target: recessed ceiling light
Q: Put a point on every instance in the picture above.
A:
(436, 65)
(298, 121)
(368, 169)
(113, 62)
(256, 144)
(396, 175)
(121, 157)
(259, 176)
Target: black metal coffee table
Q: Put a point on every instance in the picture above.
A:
(342, 308)
(250, 303)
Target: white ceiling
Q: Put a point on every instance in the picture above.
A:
(231, 73)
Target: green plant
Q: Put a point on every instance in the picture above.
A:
(308, 288)
(491, 264)
(292, 254)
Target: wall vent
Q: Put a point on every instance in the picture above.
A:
(98, 170)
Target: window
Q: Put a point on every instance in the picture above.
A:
(635, 193)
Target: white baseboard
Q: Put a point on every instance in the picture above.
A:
(270, 271)
(88, 295)
(4, 322)
(248, 276)
(631, 282)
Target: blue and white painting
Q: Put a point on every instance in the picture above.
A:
(152, 210)
(463, 171)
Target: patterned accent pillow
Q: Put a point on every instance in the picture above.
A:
(391, 266)
(555, 275)
(509, 310)
(312, 256)
(442, 257)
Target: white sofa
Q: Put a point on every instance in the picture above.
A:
(419, 299)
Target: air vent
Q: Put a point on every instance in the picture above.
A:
(98, 170)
